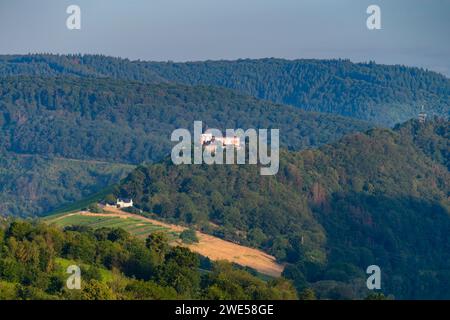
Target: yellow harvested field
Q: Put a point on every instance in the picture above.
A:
(218, 249)
(210, 246)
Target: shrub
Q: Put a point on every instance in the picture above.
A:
(188, 236)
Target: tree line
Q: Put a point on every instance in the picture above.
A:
(114, 265)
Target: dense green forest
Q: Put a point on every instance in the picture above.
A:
(122, 122)
(111, 120)
(433, 138)
(381, 94)
(371, 198)
(32, 184)
(34, 259)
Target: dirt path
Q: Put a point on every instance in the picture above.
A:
(210, 246)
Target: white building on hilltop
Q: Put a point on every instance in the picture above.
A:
(210, 141)
(124, 203)
(422, 116)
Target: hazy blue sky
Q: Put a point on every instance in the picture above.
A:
(414, 32)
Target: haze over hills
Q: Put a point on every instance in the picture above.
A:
(381, 94)
(370, 198)
(122, 122)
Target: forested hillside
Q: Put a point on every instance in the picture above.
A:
(89, 66)
(370, 198)
(132, 122)
(119, 123)
(381, 94)
(347, 194)
(33, 184)
(433, 138)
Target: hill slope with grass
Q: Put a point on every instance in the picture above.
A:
(141, 227)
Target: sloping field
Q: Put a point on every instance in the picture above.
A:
(209, 246)
(135, 226)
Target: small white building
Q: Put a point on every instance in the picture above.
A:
(232, 141)
(124, 203)
(422, 116)
(208, 140)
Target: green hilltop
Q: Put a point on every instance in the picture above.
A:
(370, 198)
(112, 125)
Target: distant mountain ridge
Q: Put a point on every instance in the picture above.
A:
(381, 94)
